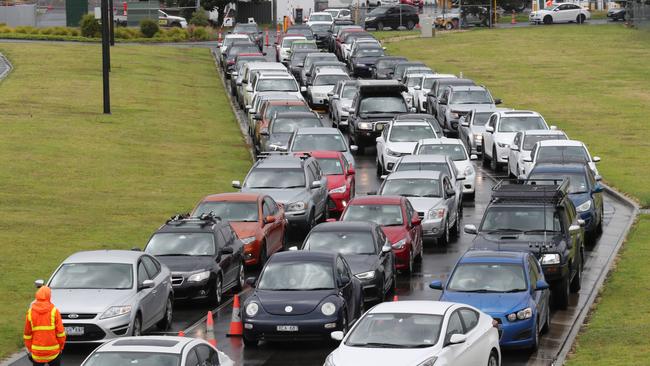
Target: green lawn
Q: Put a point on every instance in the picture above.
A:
(74, 179)
(591, 81)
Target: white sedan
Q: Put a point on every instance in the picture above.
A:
(523, 144)
(419, 333)
(560, 13)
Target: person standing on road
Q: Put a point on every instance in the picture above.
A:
(44, 333)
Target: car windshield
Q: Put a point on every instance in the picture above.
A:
(516, 124)
(330, 166)
(320, 28)
(304, 46)
(520, 219)
(306, 32)
(410, 133)
(412, 187)
(531, 140)
(418, 70)
(356, 242)
(382, 105)
(379, 10)
(298, 58)
(181, 244)
(287, 42)
(348, 92)
(321, 80)
(133, 358)
(286, 85)
(275, 178)
(290, 124)
(436, 167)
(488, 277)
(114, 276)
(285, 108)
(229, 210)
(481, 118)
(296, 276)
(455, 151)
(470, 97)
(413, 81)
(369, 52)
(385, 215)
(320, 18)
(396, 330)
(549, 154)
(325, 142)
(577, 181)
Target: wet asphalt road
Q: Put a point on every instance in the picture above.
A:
(437, 264)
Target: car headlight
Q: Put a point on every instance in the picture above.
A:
(584, 207)
(400, 244)
(429, 361)
(392, 153)
(469, 170)
(328, 309)
(252, 309)
(478, 137)
(365, 126)
(296, 206)
(198, 277)
(248, 240)
(527, 313)
(329, 361)
(551, 258)
(366, 275)
(502, 145)
(114, 311)
(340, 189)
(437, 213)
(370, 19)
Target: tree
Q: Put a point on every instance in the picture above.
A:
(210, 5)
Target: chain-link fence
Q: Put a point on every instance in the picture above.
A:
(638, 13)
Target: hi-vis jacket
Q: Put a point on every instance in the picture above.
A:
(44, 333)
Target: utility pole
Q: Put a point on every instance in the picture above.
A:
(112, 23)
(106, 61)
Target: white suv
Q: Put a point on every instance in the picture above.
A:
(272, 82)
(397, 139)
(500, 131)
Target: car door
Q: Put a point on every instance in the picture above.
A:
(515, 151)
(432, 101)
(539, 297)
(452, 201)
(455, 354)
(597, 197)
(323, 185)
(488, 137)
(385, 258)
(476, 346)
(381, 140)
(273, 230)
(146, 297)
(160, 285)
(442, 107)
(346, 288)
(415, 231)
(206, 356)
(226, 261)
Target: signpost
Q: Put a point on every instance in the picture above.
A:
(106, 61)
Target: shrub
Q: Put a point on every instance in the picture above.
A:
(27, 30)
(200, 19)
(199, 34)
(149, 28)
(5, 29)
(61, 31)
(89, 26)
(122, 33)
(178, 34)
(46, 31)
(74, 32)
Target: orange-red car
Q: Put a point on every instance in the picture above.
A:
(256, 218)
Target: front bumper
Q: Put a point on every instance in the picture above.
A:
(502, 153)
(433, 228)
(309, 326)
(297, 218)
(402, 257)
(365, 137)
(515, 334)
(469, 184)
(337, 202)
(590, 219)
(252, 253)
(99, 330)
(389, 161)
(184, 290)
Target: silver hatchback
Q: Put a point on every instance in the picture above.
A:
(106, 294)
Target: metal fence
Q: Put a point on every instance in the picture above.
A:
(639, 12)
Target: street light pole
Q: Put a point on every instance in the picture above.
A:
(106, 49)
(112, 21)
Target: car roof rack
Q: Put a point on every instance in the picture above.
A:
(202, 220)
(530, 190)
(268, 154)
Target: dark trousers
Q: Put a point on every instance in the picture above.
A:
(54, 362)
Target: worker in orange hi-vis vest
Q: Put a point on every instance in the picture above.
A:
(44, 333)
(549, 3)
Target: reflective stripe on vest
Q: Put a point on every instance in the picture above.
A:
(46, 348)
(43, 327)
(44, 358)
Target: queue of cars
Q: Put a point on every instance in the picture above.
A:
(528, 251)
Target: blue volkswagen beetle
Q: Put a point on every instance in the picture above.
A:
(301, 295)
(509, 286)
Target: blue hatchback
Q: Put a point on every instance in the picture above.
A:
(509, 286)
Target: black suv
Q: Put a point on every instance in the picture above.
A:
(204, 255)
(537, 216)
(376, 102)
(392, 16)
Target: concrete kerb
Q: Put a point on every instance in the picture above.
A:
(568, 343)
(5, 67)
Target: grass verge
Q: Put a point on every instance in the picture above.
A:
(591, 81)
(75, 179)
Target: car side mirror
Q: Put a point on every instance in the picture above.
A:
(248, 106)
(257, 117)
(595, 159)
(457, 339)
(489, 129)
(470, 229)
(598, 188)
(337, 335)
(378, 139)
(413, 110)
(382, 177)
(498, 101)
(581, 222)
(464, 124)
(303, 89)
(238, 83)
(354, 148)
(442, 101)
(473, 157)
(227, 250)
(417, 87)
(249, 88)
(541, 285)
(236, 184)
(553, 127)
(514, 147)
(521, 177)
(251, 281)
(315, 184)
(219, 44)
(435, 285)
(598, 178)
(264, 132)
(234, 73)
(39, 283)
(269, 219)
(331, 219)
(146, 284)
(387, 248)
(415, 221)
(450, 192)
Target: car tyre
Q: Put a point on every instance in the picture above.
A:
(380, 26)
(547, 322)
(548, 20)
(449, 26)
(216, 293)
(420, 254)
(536, 333)
(166, 322)
(561, 294)
(576, 282)
(410, 25)
(241, 278)
(263, 256)
(249, 342)
(455, 231)
(311, 221)
(493, 360)
(136, 331)
(581, 19)
(444, 239)
(380, 168)
(494, 164)
(599, 227)
(485, 160)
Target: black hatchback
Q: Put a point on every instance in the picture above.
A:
(393, 16)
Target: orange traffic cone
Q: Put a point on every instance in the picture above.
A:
(236, 325)
(209, 330)
(513, 21)
(220, 37)
(181, 334)
(395, 298)
(267, 37)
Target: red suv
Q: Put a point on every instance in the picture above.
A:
(256, 218)
(340, 179)
(398, 219)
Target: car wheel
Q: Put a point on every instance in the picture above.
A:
(311, 220)
(449, 26)
(581, 19)
(420, 254)
(410, 25)
(548, 20)
(494, 165)
(166, 322)
(444, 239)
(344, 323)
(136, 331)
(217, 291)
(561, 294)
(380, 168)
(455, 231)
(380, 26)
(599, 227)
(547, 322)
(241, 278)
(493, 360)
(576, 283)
(535, 345)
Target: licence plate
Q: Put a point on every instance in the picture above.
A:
(287, 328)
(74, 331)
